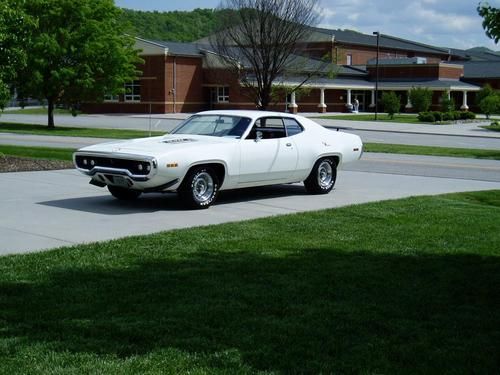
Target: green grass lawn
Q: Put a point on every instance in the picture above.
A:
(10, 127)
(409, 119)
(37, 152)
(495, 128)
(37, 111)
(65, 154)
(431, 150)
(407, 286)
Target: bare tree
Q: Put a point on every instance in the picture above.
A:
(261, 39)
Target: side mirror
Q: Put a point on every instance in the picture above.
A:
(258, 136)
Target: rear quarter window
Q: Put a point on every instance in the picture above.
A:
(292, 127)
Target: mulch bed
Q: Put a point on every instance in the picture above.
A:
(17, 164)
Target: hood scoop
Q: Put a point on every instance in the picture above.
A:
(179, 140)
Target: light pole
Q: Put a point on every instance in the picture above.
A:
(376, 74)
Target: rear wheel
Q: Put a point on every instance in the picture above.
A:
(200, 188)
(322, 177)
(123, 193)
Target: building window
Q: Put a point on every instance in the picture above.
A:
(223, 94)
(133, 91)
(349, 60)
(111, 98)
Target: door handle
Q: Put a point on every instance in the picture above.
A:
(288, 145)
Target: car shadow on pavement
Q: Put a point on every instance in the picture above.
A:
(148, 203)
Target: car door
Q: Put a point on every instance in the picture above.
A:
(267, 154)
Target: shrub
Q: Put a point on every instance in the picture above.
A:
(435, 116)
(438, 116)
(426, 117)
(391, 103)
(486, 91)
(495, 123)
(447, 116)
(4, 94)
(447, 103)
(467, 115)
(421, 98)
(490, 105)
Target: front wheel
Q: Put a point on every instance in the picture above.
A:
(200, 188)
(322, 177)
(123, 193)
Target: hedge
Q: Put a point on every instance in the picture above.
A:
(436, 116)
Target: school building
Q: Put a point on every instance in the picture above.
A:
(188, 77)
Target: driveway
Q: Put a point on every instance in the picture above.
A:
(42, 210)
(467, 135)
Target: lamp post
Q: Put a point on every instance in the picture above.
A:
(376, 74)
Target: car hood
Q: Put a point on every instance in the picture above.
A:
(156, 146)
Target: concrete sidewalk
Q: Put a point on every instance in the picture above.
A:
(166, 122)
(473, 129)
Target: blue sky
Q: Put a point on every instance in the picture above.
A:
(446, 23)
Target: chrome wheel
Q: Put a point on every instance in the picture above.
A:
(203, 187)
(200, 187)
(325, 174)
(322, 177)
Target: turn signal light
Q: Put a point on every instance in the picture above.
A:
(172, 165)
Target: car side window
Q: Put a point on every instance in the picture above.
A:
(292, 127)
(268, 128)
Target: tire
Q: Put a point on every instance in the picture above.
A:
(123, 193)
(322, 177)
(200, 188)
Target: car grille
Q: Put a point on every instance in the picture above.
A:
(135, 167)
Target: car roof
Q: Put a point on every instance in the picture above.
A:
(253, 114)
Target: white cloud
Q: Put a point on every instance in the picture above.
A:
(449, 23)
(353, 16)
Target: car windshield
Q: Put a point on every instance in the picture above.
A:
(214, 125)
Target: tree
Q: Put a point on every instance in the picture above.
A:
(491, 20)
(13, 37)
(447, 102)
(391, 103)
(421, 99)
(77, 52)
(485, 91)
(490, 105)
(180, 26)
(260, 39)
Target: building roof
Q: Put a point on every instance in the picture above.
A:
(179, 48)
(481, 69)
(386, 41)
(296, 63)
(437, 84)
(476, 55)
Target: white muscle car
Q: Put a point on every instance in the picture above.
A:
(219, 150)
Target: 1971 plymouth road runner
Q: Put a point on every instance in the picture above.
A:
(220, 150)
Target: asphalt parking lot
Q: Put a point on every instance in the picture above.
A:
(42, 210)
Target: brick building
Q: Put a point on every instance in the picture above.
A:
(185, 77)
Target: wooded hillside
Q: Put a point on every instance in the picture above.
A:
(177, 26)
